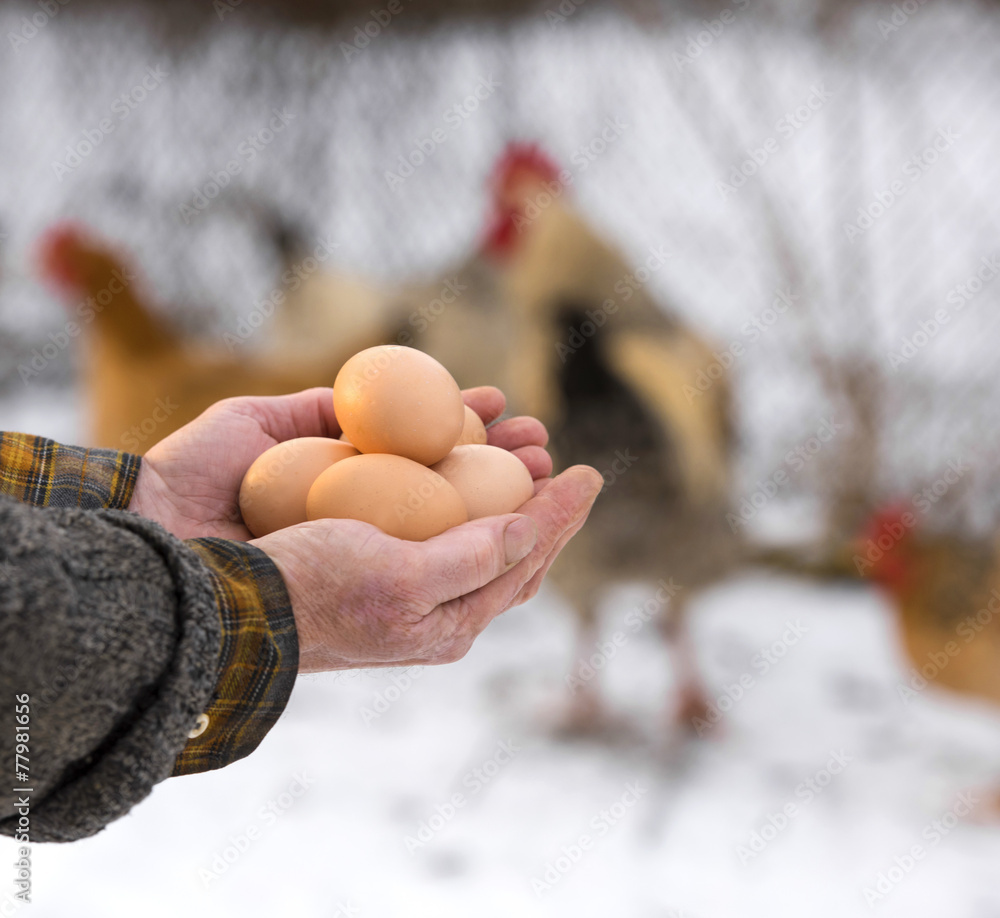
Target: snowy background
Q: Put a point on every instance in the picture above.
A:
(352, 839)
(341, 846)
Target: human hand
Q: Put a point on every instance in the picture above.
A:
(362, 598)
(190, 481)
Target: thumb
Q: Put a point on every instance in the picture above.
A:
(469, 556)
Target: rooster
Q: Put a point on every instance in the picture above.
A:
(557, 317)
(142, 381)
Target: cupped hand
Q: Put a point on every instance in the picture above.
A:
(190, 481)
(363, 599)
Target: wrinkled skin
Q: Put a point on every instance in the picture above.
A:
(360, 597)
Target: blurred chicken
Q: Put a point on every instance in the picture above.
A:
(319, 306)
(946, 590)
(141, 380)
(559, 319)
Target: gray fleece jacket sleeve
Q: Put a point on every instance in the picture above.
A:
(110, 625)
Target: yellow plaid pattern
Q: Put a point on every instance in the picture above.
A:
(44, 473)
(258, 659)
(259, 655)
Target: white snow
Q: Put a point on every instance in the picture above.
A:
(675, 852)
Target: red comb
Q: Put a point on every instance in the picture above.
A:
(501, 232)
(887, 530)
(890, 518)
(523, 157)
(56, 248)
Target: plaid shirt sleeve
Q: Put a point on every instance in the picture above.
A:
(258, 659)
(44, 473)
(258, 656)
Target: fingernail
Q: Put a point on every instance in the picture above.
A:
(519, 538)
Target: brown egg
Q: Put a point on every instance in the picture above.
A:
(399, 400)
(403, 498)
(474, 430)
(491, 480)
(274, 490)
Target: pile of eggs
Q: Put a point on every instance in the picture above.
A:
(413, 459)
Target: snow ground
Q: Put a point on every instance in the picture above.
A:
(341, 848)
